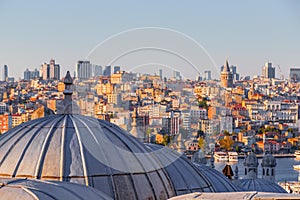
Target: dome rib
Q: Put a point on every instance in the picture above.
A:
(146, 174)
(21, 156)
(81, 152)
(10, 136)
(45, 146)
(62, 150)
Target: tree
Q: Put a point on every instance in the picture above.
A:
(200, 133)
(227, 141)
(201, 143)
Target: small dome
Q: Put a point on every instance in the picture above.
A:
(260, 185)
(84, 150)
(268, 161)
(27, 189)
(186, 177)
(251, 160)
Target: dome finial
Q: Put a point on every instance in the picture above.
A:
(68, 81)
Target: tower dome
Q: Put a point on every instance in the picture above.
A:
(268, 167)
(187, 177)
(29, 189)
(268, 161)
(251, 160)
(251, 164)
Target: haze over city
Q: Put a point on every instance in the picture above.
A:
(250, 33)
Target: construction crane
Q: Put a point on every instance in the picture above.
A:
(281, 74)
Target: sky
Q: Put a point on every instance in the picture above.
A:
(189, 36)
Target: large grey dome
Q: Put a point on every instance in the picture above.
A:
(26, 189)
(186, 177)
(260, 185)
(83, 150)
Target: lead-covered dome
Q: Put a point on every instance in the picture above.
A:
(260, 185)
(268, 161)
(29, 189)
(187, 177)
(83, 150)
(251, 160)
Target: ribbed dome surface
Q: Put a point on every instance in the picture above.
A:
(26, 189)
(220, 182)
(261, 185)
(83, 150)
(186, 177)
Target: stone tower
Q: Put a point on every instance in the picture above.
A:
(250, 165)
(226, 76)
(268, 167)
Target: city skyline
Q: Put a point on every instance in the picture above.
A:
(250, 34)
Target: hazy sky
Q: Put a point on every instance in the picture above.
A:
(248, 32)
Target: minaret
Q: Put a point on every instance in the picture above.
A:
(226, 76)
(268, 166)
(135, 131)
(250, 165)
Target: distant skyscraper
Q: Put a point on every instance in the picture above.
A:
(176, 75)
(5, 72)
(226, 76)
(84, 69)
(161, 73)
(207, 75)
(268, 71)
(28, 75)
(51, 70)
(117, 69)
(97, 70)
(107, 71)
(295, 74)
(235, 75)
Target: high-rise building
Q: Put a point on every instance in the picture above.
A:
(5, 72)
(176, 75)
(28, 75)
(295, 74)
(160, 73)
(97, 70)
(226, 76)
(51, 70)
(117, 69)
(107, 71)
(84, 69)
(268, 71)
(207, 75)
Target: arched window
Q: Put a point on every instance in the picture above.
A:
(245, 171)
(263, 172)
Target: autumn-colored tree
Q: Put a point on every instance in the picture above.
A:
(201, 143)
(227, 141)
